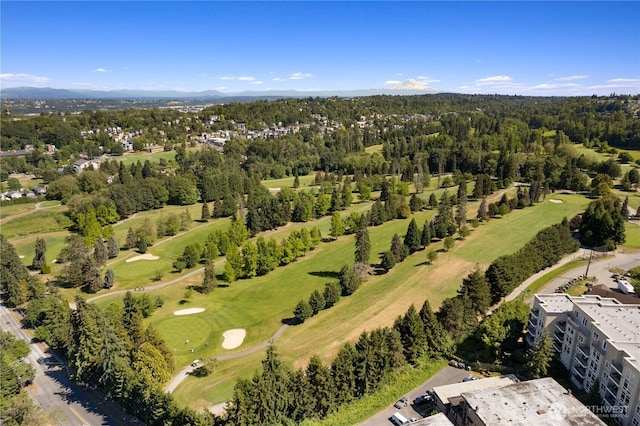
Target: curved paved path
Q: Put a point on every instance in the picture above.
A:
(178, 378)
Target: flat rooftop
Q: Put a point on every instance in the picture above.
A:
(556, 303)
(446, 392)
(436, 420)
(538, 402)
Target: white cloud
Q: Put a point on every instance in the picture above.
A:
(426, 80)
(550, 86)
(572, 77)
(101, 70)
(391, 82)
(489, 81)
(410, 84)
(245, 78)
(256, 82)
(294, 76)
(226, 77)
(24, 78)
(299, 76)
(624, 80)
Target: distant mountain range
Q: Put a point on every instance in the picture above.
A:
(50, 93)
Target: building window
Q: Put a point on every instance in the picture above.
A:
(595, 336)
(606, 365)
(584, 321)
(580, 338)
(604, 345)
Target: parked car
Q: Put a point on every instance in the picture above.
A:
(422, 399)
(402, 402)
(196, 363)
(469, 379)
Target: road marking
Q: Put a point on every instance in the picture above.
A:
(84, 422)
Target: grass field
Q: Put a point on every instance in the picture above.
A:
(153, 158)
(377, 303)
(12, 210)
(632, 234)
(37, 222)
(287, 182)
(373, 148)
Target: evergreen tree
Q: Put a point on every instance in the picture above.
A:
(132, 319)
(209, 281)
(624, 210)
(433, 201)
(415, 203)
(344, 374)
(594, 397)
(317, 302)
(99, 252)
(347, 196)
(475, 288)
(205, 215)
(113, 249)
(322, 387)
(363, 245)
(388, 261)
(296, 182)
(438, 341)
(316, 237)
(132, 239)
(399, 250)
(39, 258)
(91, 280)
(302, 311)
(234, 260)
(109, 278)
(461, 212)
(337, 226)
(425, 236)
(412, 238)
(331, 293)
(482, 210)
(449, 242)
(349, 280)
(539, 357)
(412, 334)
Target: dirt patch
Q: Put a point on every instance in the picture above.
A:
(555, 200)
(218, 409)
(233, 338)
(189, 311)
(146, 256)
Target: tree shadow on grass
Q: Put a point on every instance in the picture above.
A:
(290, 321)
(325, 274)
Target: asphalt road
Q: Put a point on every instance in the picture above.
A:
(445, 376)
(67, 403)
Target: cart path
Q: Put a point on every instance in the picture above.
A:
(182, 374)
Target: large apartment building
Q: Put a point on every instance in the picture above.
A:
(596, 338)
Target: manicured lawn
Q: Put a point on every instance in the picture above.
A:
(633, 234)
(378, 301)
(518, 227)
(287, 182)
(547, 278)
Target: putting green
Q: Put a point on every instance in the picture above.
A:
(177, 330)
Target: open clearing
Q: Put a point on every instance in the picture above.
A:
(146, 256)
(189, 311)
(233, 338)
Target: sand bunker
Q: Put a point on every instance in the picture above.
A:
(189, 311)
(146, 256)
(554, 200)
(233, 338)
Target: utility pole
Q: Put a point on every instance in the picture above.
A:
(586, 274)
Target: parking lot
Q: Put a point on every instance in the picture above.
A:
(445, 376)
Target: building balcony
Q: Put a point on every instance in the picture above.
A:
(583, 351)
(531, 338)
(609, 400)
(558, 337)
(561, 326)
(579, 371)
(615, 370)
(612, 388)
(535, 313)
(581, 361)
(533, 322)
(557, 346)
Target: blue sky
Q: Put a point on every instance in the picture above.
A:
(527, 48)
